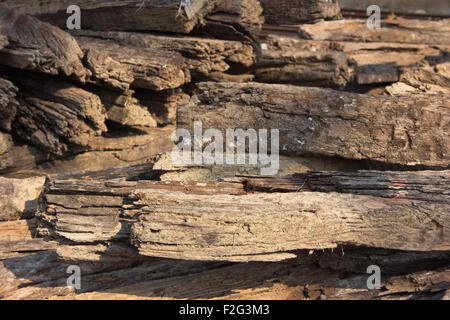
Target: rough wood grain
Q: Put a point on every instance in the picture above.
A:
(300, 11)
(19, 197)
(56, 116)
(6, 143)
(301, 278)
(166, 15)
(295, 63)
(123, 108)
(93, 211)
(337, 63)
(163, 219)
(202, 55)
(324, 122)
(381, 62)
(245, 13)
(151, 69)
(418, 185)
(162, 104)
(396, 30)
(17, 230)
(37, 46)
(239, 20)
(257, 226)
(8, 104)
(170, 171)
(114, 149)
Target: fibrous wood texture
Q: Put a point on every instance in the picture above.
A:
(300, 11)
(8, 104)
(290, 60)
(405, 211)
(243, 230)
(150, 69)
(421, 185)
(86, 128)
(397, 30)
(55, 115)
(167, 15)
(37, 46)
(202, 55)
(325, 122)
(344, 63)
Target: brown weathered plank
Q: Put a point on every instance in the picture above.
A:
(8, 104)
(420, 185)
(18, 230)
(300, 11)
(292, 61)
(396, 30)
(164, 219)
(151, 69)
(325, 122)
(156, 15)
(37, 46)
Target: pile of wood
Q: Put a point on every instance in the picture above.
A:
(86, 124)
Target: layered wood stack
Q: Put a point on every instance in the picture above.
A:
(86, 119)
(118, 90)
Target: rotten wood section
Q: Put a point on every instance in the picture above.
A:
(8, 104)
(300, 11)
(253, 219)
(397, 30)
(420, 80)
(149, 15)
(56, 116)
(338, 63)
(110, 276)
(19, 197)
(114, 149)
(325, 122)
(267, 226)
(202, 55)
(419, 185)
(150, 69)
(302, 62)
(37, 46)
(244, 14)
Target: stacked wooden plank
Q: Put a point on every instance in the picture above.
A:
(86, 124)
(347, 53)
(68, 96)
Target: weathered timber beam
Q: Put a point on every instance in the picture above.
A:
(19, 197)
(256, 226)
(56, 115)
(164, 219)
(300, 11)
(420, 185)
(396, 30)
(325, 122)
(37, 46)
(157, 15)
